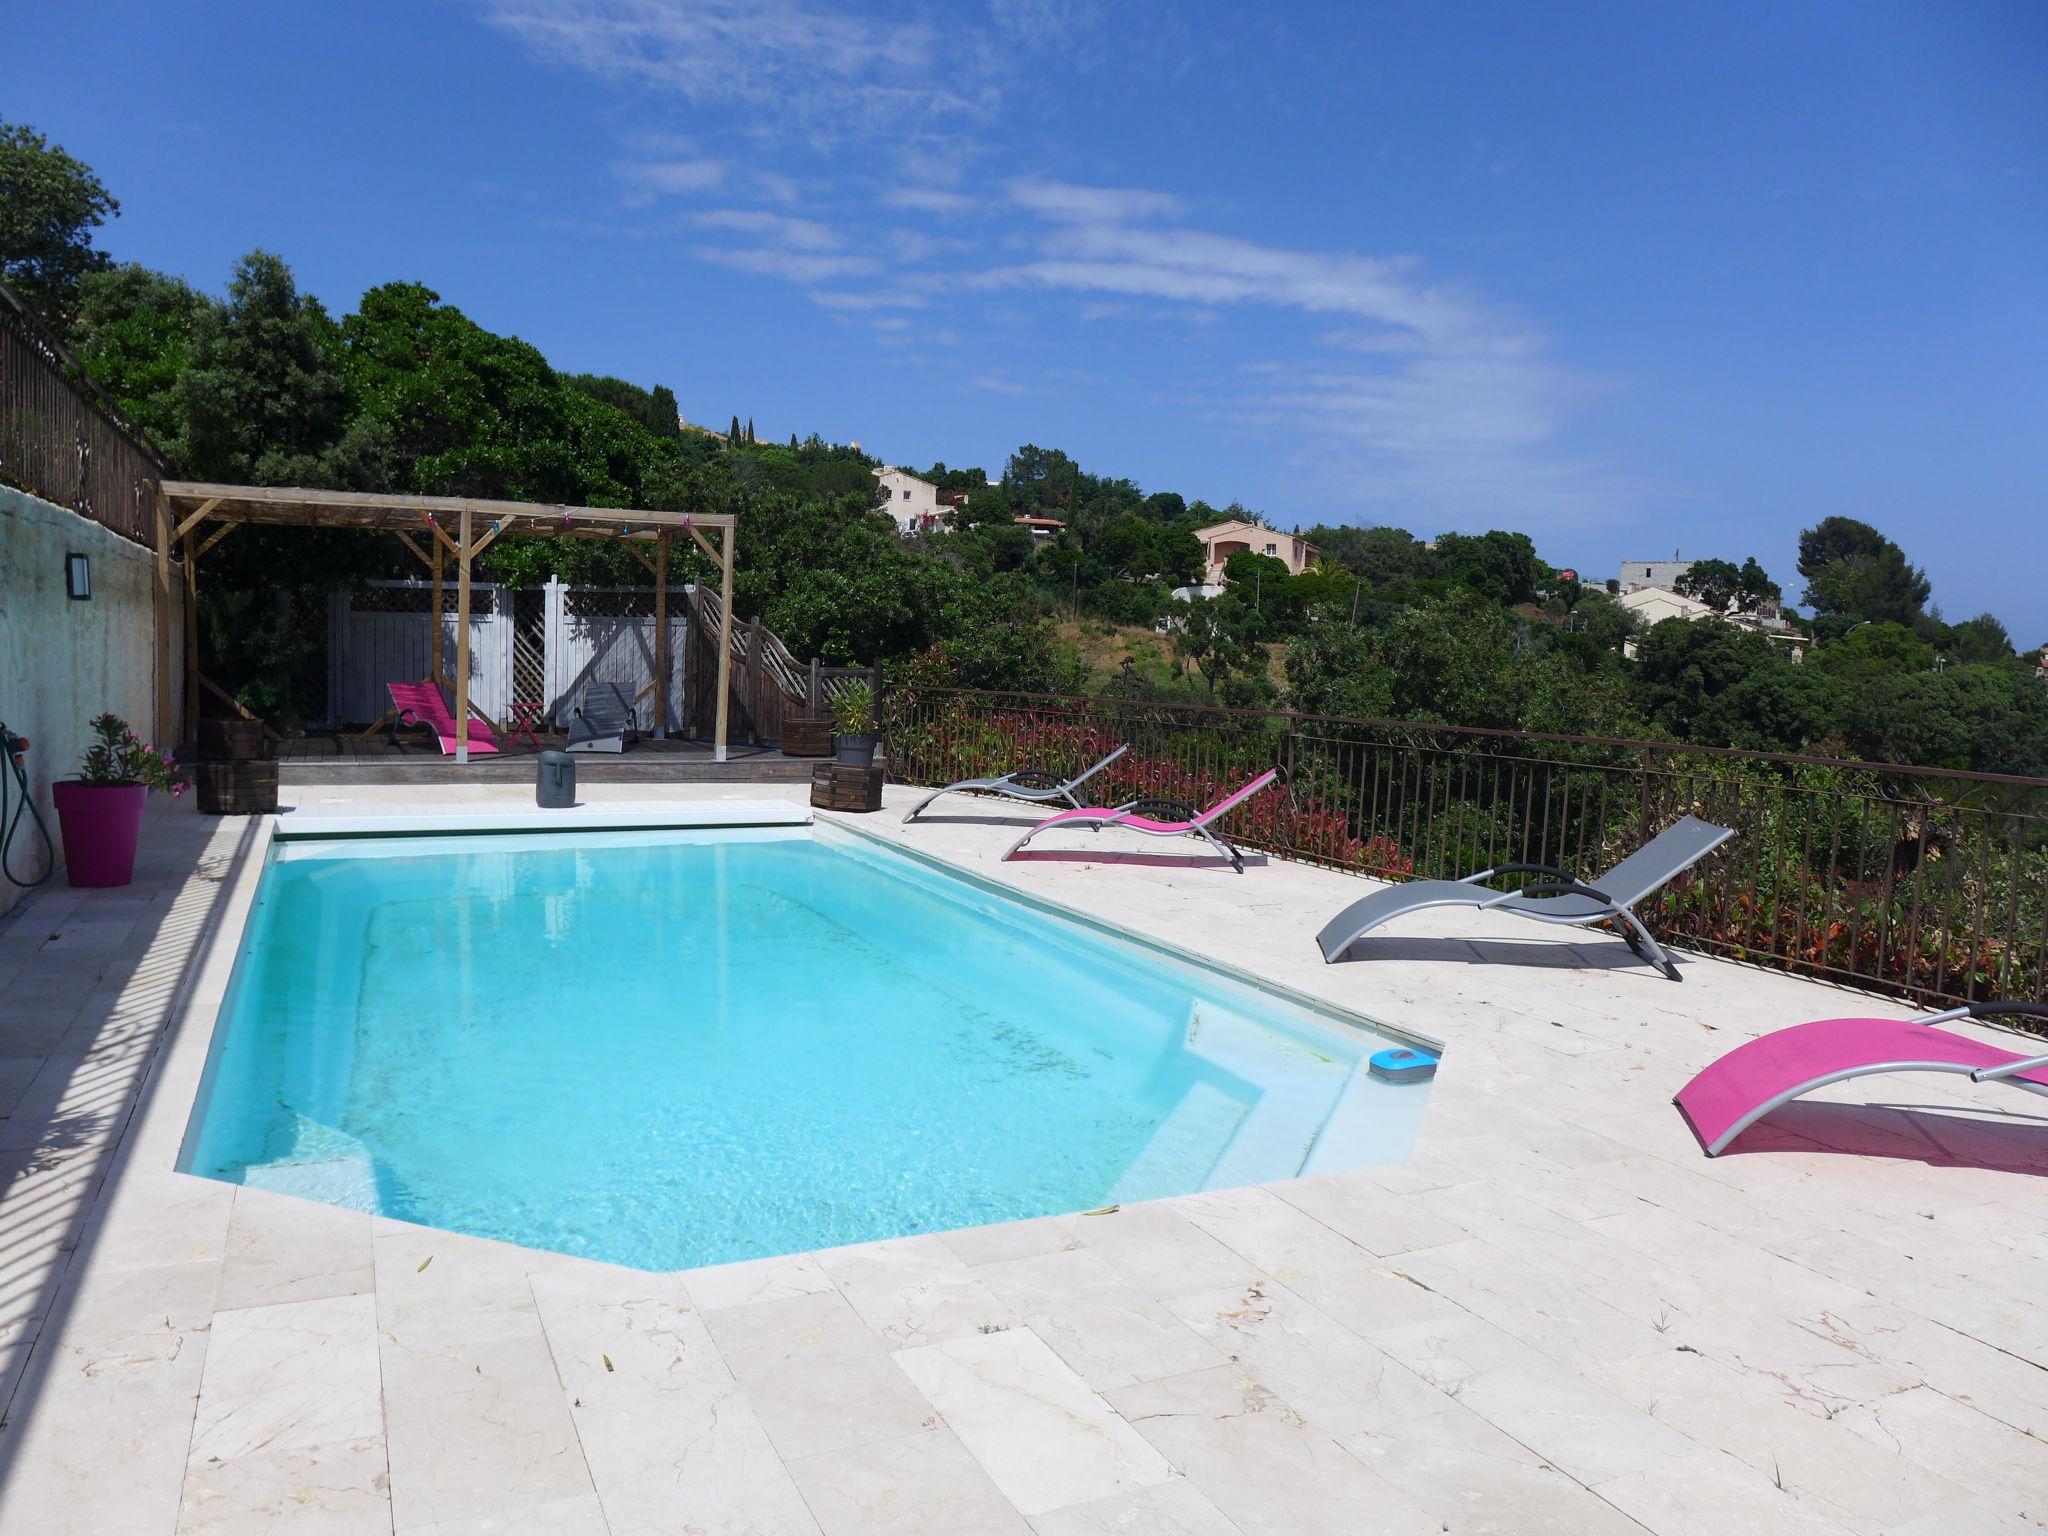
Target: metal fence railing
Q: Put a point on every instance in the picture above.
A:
(1926, 883)
(62, 439)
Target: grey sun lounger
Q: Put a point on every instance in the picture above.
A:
(1018, 786)
(1563, 898)
(600, 719)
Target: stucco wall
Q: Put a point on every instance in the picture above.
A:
(62, 662)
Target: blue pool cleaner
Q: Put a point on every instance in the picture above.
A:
(1402, 1065)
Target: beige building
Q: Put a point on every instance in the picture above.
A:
(1222, 540)
(914, 503)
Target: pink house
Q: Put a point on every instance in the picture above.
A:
(1222, 540)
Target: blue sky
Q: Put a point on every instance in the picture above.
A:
(1632, 278)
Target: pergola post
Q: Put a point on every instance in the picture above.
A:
(462, 642)
(166, 723)
(191, 552)
(434, 672)
(661, 637)
(724, 642)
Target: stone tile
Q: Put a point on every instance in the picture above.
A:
(1592, 1435)
(1362, 1211)
(1706, 1493)
(1175, 1507)
(288, 1378)
(152, 1218)
(913, 1290)
(477, 1429)
(1108, 1331)
(1010, 1240)
(670, 1439)
(281, 1249)
(1856, 1483)
(1260, 1463)
(1966, 1446)
(436, 1289)
(113, 1394)
(1329, 1375)
(752, 1280)
(1160, 1251)
(328, 1490)
(818, 1378)
(1552, 1310)
(580, 1516)
(923, 1484)
(1475, 1480)
(1037, 1429)
(1980, 1517)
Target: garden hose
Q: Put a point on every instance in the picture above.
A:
(11, 748)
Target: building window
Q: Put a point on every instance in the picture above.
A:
(906, 495)
(1270, 550)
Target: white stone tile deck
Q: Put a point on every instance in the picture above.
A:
(1556, 1317)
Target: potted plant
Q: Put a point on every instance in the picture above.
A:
(100, 811)
(853, 724)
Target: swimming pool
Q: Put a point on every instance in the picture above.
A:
(671, 1048)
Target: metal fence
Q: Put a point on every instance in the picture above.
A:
(1927, 883)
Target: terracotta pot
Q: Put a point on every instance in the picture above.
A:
(100, 828)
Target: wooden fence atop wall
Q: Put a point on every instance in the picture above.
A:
(62, 438)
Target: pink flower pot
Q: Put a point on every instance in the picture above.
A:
(100, 826)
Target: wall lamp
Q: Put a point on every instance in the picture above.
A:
(78, 578)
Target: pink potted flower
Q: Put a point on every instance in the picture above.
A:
(100, 811)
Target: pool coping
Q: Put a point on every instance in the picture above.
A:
(590, 816)
(1322, 1008)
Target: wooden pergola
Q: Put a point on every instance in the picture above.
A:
(193, 517)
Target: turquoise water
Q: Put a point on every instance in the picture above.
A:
(679, 1048)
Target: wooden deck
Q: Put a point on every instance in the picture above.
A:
(330, 757)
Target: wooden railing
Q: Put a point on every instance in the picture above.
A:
(63, 439)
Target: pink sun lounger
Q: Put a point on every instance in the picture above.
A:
(1135, 816)
(422, 704)
(1752, 1080)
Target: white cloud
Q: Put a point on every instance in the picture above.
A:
(813, 63)
(934, 200)
(792, 266)
(793, 233)
(886, 298)
(1092, 205)
(646, 180)
(996, 384)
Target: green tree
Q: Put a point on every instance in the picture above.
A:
(1980, 639)
(1855, 574)
(50, 204)
(135, 334)
(1498, 565)
(263, 399)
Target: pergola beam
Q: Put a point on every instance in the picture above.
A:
(183, 504)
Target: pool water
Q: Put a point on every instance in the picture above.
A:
(667, 1049)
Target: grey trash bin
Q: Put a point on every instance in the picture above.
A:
(556, 790)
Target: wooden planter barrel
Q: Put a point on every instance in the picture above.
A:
(236, 741)
(807, 736)
(236, 788)
(843, 787)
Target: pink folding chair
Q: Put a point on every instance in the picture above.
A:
(1134, 816)
(1753, 1079)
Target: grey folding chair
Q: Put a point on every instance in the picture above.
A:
(1563, 898)
(601, 719)
(1033, 784)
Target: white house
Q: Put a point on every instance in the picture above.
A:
(914, 503)
(1653, 605)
